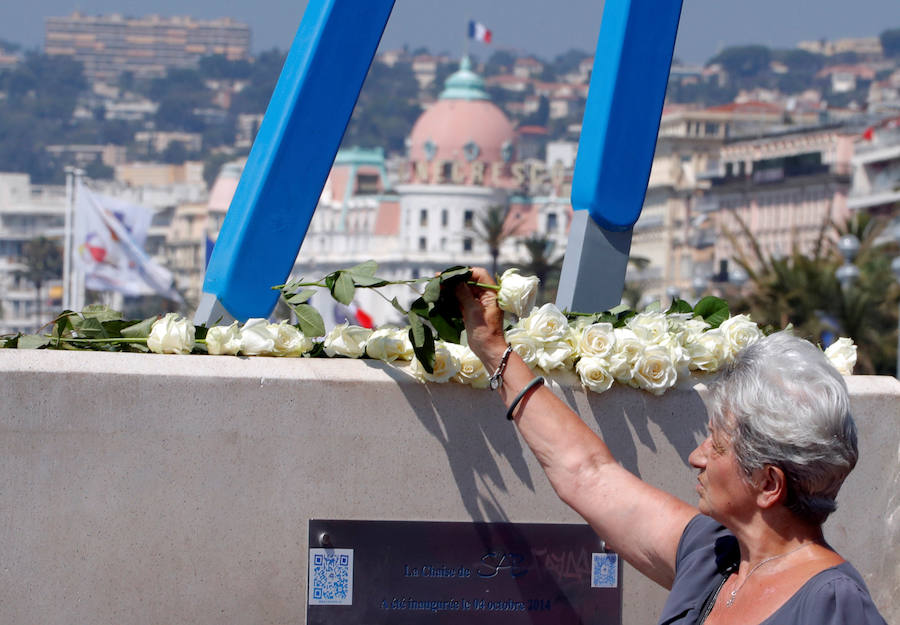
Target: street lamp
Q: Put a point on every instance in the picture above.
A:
(847, 273)
(895, 267)
(738, 277)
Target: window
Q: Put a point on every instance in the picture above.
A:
(467, 244)
(444, 217)
(552, 222)
(366, 184)
(423, 217)
(468, 218)
(423, 244)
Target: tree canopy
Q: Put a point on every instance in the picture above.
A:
(890, 42)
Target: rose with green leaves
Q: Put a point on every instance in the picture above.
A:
(171, 335)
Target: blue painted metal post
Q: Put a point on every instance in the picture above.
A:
(615, 152)
(291, 157)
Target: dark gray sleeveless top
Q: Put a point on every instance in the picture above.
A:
(708, 552)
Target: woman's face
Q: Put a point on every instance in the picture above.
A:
(724, 492)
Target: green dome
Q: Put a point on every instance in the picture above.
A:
(464, 84)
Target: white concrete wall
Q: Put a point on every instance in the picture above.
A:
(143, 489)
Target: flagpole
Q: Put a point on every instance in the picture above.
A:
(77, 299)
(67, 241)
(466, 38)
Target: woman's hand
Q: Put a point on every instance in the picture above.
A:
(483, 318)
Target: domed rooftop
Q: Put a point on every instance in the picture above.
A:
(463, 125)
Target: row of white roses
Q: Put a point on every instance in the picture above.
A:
(654, 351)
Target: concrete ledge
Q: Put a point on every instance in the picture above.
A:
(146, 489)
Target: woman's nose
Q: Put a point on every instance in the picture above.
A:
(697, 459)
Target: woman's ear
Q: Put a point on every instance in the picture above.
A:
(771, 486)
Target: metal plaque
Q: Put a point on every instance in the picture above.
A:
(369, 572)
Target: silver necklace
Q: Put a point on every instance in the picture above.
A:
(734, 592)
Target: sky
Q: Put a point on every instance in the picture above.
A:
(538, 27)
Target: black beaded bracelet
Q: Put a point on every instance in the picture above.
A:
(512, 407)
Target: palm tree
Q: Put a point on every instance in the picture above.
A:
(43, 261)
(541, 264)
(803, 291)
(491, 228)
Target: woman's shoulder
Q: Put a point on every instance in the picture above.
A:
(703, 537)
(835, 596)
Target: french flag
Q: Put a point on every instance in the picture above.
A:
(479, 32)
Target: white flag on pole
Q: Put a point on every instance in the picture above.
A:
(109, 237)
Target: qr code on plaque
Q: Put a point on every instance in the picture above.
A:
(330, 577)
(605, 570)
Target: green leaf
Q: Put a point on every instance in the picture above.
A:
(396, 304)
(140, 329)
(679, 306)
(416, 329)
(301, 297)
(365, 269)
(623, 317)
(11, 342)
(607, 317)
(421, 308)
(343, 288)
(448, 328)
(89, 327)
(432, 290)
(363, 275)
(63, 325)
(456, 272)
(100, 313)
(423, 349)
(309, 320)
(713, 310)
(32, 341)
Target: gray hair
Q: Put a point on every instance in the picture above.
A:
(782, 404)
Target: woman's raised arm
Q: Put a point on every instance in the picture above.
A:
(641, 523)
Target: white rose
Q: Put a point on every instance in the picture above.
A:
(517, 293)
(554, 354)
(446, 365)
(223, 340)
(525, 345)
(686, 330)
(289, 341)
(594, 373)
(546, 323)
(347, 340)
(654, 370)
(597, 339)
(256, 339)
(390, 344)
(471, 369)
(171, 335)
(740, 332)
(650, 327)
(677, 352)
(842, 355)
(709, 351)
(626, 353)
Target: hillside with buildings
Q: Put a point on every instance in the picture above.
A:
(447, 160)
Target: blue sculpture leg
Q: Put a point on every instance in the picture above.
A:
(615, 152)
(291, 157)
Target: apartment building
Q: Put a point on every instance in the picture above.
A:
(109, 45)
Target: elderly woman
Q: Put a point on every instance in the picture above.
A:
(780, 443)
